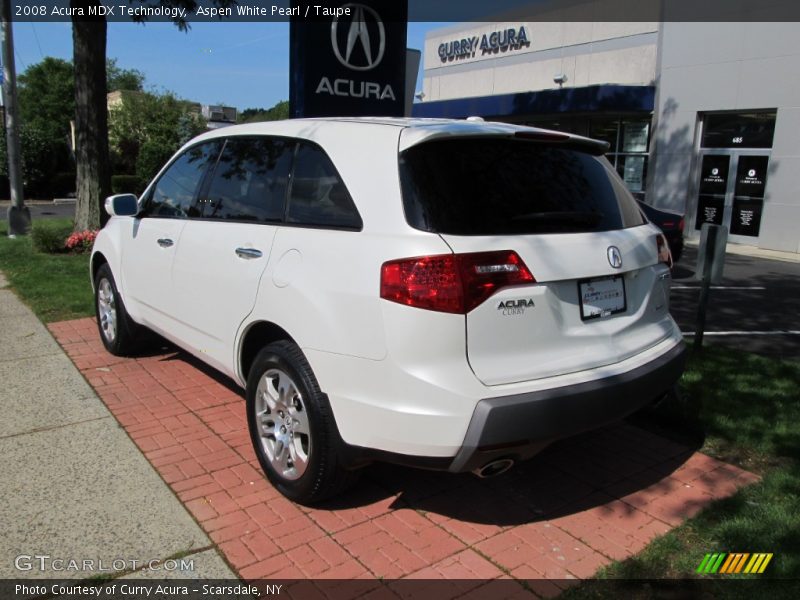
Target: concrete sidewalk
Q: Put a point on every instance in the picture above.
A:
(75, 487)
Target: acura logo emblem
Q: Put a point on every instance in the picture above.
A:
(614, 257)
(359, 52)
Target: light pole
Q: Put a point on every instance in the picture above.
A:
(19, 215)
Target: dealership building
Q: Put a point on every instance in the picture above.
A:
(701, 117)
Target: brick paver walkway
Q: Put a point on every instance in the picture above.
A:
(580, 504)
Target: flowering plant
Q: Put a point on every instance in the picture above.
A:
(81, 241)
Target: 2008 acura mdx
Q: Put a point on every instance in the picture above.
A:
(447, 294)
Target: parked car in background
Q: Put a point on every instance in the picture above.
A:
(670, 223)
(446, 294)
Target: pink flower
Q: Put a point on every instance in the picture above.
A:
(81, 241)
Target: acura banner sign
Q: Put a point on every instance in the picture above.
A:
(349, 61)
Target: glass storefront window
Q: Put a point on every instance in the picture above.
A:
(628, 139)
(633, 170)
(635, 136)
(739, 130)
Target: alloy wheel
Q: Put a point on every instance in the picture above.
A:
(283, 424)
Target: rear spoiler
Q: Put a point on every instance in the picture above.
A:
(413, 136)
(574, 142)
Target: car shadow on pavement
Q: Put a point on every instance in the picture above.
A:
(576, 474)
(169, 353)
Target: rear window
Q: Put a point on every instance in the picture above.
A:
(493, 186)
(318, 196)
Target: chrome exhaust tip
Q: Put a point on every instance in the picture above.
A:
(494, 468)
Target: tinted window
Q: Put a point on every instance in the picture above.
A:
(250, 180)
(175, 190)
(500, 186)
(318, 196)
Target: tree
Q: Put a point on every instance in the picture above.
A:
(145, 129)
(93, 166)
(89, 34)
(47, 105)
(38, 162)
(255, 115)
(46, 94)
(118, 79)
(47, 97)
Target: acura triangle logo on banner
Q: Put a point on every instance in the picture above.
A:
(349, 62)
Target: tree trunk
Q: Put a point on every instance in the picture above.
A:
(91, 120)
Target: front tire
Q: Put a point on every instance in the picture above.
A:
(292, 427)
(117, 330)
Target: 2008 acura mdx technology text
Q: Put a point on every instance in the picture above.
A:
(452, 295)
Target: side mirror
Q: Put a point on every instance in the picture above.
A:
(122, 205)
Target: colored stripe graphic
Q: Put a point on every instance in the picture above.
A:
(703, 563)
(717, 564)
(759, 563)
(765, 563)
(735, 562)
(754, 563)
(727, 564)
(741, 562)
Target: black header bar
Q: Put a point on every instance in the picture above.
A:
(207, 11)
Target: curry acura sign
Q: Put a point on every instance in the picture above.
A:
(351, 63)
(492, 43)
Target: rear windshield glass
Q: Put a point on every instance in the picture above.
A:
(501, 186)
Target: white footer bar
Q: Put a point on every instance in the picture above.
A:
(719, 287)
(724, 333)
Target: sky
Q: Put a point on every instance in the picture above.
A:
(245, 65)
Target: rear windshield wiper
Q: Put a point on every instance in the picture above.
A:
(582, 217)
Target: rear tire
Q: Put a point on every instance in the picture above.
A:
(292, 427)
(119, 333)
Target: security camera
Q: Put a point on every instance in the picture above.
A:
(560, 78)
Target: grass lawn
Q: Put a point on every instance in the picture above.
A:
(55, 286)
(748, 409)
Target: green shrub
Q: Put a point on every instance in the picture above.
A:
(50, 239)
(153, 154)
(126, 184)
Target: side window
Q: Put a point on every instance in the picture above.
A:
(250, 180)
(175, 190)
(318, 195)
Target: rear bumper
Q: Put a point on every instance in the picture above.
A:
(519, 426)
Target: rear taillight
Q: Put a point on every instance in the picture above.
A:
(681, 224)
(452, 283)
(664, 254)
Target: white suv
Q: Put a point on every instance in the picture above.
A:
(453, 295)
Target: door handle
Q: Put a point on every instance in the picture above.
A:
(165, 242)
(248, 253)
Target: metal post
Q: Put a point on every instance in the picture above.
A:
(19, 216)
(711, 250)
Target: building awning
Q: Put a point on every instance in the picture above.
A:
(592, 98)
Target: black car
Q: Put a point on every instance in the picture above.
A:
(671, 223)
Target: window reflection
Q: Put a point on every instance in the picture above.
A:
(250, 180)
(174, 192)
